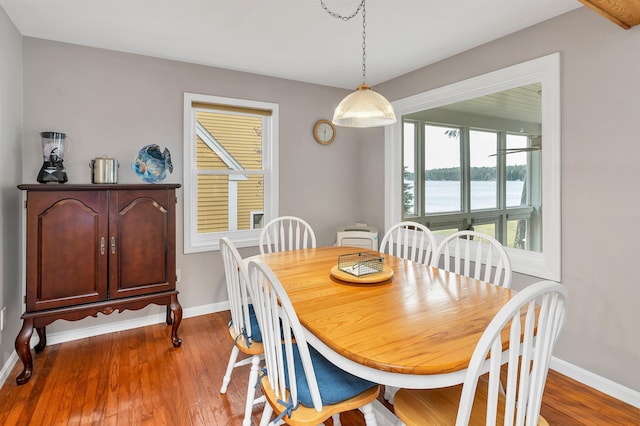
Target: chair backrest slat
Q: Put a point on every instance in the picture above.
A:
(286, 233)
(474, 255)
(237, 279)
(409, 240)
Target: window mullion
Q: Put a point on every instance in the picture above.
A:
(420, 166)
(465, 176)
(501, 176)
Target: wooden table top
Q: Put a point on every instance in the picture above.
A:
(423, 321)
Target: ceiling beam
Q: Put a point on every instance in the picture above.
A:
(625, 13)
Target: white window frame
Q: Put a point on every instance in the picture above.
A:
(547, 263)
(193, 241)
(498, 215)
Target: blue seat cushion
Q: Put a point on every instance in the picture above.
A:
(335, 385)
(256, 334)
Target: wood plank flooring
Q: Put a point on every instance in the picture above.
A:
(137, 377)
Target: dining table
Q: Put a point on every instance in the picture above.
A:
(410, 325)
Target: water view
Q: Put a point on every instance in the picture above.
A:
(444, 196)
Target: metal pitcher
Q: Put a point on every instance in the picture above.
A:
(104, 170)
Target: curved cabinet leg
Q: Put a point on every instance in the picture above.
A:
(42, 334)
(169, 319)
(24, 351)
(176, 309)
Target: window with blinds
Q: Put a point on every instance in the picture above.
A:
(230, 153)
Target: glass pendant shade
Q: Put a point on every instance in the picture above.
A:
(364, 108)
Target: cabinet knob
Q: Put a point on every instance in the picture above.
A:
(102, 246)
(113, 245)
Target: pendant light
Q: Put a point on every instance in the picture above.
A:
(364, 107)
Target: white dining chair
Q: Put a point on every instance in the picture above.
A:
(412, 241)
(533, 319)
(243, 326)
(409, 240)
(286, 233)
(474, 255)
(301, 386)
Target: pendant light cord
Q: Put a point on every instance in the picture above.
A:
(364, 31)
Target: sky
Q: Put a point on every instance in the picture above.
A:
(447, 151)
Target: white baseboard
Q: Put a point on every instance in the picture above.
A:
(581, 375)
(7, 367)
(68, 336)
(609, 387)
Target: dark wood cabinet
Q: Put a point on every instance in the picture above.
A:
(96, 249)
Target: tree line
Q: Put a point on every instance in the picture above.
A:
(514, 172)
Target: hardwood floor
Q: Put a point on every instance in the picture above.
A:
(137, 377)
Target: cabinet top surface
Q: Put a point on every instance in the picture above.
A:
(95, 186)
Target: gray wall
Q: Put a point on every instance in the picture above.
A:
(600, 176)
(112, 103)
(10, 143)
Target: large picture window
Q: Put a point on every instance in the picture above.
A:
(481, 179)
(452, 164)
(230, 170)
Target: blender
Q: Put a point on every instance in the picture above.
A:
(53, 148)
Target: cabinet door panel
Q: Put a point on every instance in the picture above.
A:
(142, 226)
(63, 243)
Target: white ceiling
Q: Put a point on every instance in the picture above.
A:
(521, 104)
(293, 39)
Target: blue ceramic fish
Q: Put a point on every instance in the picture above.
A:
(151, 165)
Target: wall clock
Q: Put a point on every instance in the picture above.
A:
(324, 132)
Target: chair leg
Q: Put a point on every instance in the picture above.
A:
(251, 389)
(390, 393)
(227, 375)
(266, 415)
(369, 416)
(336, 420)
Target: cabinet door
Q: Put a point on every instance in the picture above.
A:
(66, 248)
(142, 256)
